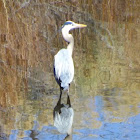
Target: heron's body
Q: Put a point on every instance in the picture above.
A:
(63, 68)
(63, 62)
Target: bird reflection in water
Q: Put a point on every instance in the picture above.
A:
(63, 116)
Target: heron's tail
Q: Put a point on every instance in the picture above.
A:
(64, 86)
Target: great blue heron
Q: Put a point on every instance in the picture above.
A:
(63, 62)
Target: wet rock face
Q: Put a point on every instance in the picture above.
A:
(28, 33)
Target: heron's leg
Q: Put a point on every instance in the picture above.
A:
(68, 90)
(68, 100)
(59, 101)
(60, 92)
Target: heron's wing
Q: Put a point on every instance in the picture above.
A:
(64, 68)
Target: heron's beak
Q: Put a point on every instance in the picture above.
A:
(80, 25)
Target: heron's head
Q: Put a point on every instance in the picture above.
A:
(69, 25)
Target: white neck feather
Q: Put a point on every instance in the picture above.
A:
(69, 38)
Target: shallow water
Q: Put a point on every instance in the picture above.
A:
(105, 92)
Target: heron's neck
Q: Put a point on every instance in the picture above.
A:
(71, 45)
(69, 38)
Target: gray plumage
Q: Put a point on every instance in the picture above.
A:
(64, 68)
